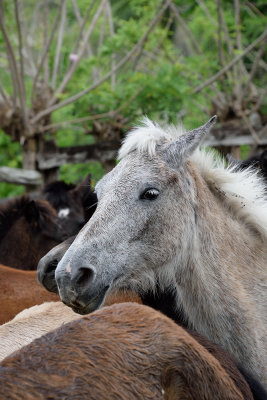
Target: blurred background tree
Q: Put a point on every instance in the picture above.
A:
(75, 73)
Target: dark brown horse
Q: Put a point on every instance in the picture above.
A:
(74, 204)
(28, 230)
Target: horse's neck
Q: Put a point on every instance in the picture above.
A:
(219, 280)
(222, 243)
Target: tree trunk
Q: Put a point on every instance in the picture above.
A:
(29, 153)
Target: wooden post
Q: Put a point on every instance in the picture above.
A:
(236, 152)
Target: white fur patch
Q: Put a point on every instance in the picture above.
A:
(146, 137)
(244, 191)
(63, 212)
(68, 268)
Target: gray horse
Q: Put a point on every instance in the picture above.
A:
(172, 216)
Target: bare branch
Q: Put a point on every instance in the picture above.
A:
(262, 64)
(10, 55)
(260, 101)
(112, 32)
(45, 30)
(20, 49)
(48, 44)
(205, 9)
(22, 91)
(225, 29)
(237, 25)
(204, 109)
(221, 56)
(75, 64)
(242, 68)
(4, 95)
(123, 61)
(250, 127)
(232, 63)
(59, 44)
(187, 31)
(142, 44)
(75, 121)
(102, 30)
(109, 114)
(255, 9)
(28, 53)
(155, 50)
(17, 82)
(238, 84)
(255, 64)
(81, 22)
(35, 18)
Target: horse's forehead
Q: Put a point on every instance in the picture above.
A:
(133, 169)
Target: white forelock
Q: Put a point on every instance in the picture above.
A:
(244, 191)
(147, 136)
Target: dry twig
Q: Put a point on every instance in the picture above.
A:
(45, 52)
(232, 63)
(109, 114)
(59, 44)
(112, 32)
(80, 54)
(45, 30)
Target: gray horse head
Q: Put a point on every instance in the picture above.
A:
(144, 221)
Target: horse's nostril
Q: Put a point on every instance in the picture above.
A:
(84, 277)
(51, 266)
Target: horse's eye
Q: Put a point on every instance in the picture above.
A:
(149, 194)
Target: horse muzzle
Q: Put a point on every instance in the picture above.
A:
(48, 264)
(77, 289)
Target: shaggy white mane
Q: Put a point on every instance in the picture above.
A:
(244, 191)
(147, 136)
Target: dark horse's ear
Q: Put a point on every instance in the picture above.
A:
(183, 146)
(31, 212)
(263, 161)
(84, 186)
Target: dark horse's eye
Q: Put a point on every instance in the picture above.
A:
(149, 194)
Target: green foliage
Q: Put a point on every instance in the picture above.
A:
(10, 190)
(159, 84)
(245, 149)
(76, 172)
(10, 156)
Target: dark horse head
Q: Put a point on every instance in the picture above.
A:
(74, 199)
(74, 204)
(28, 230)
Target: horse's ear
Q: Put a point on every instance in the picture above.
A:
(84, 186)
(184, 146)
(263, 161)
(31, 211)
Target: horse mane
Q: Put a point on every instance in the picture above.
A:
(243, 191)
(55, 193)
(17, 208)
(146, 137)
